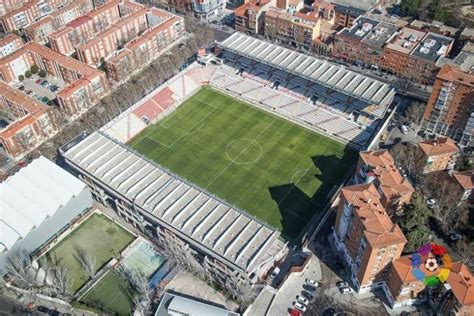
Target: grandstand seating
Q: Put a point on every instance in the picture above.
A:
(327, 114)
(164, 98)
(149, 110)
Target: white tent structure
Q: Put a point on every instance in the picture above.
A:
(36, 203)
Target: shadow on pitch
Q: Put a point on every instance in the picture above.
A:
(296, 207)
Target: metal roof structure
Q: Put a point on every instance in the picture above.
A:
(176, 204)
(30, 196)
(369, 92)
(175, 304)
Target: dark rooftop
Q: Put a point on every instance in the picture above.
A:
(432, 47)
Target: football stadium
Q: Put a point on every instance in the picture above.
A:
(238, 153)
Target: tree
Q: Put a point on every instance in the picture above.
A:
(28, 74)
(34, 69)
(406, 156)
(62, 283)
(42, 73)
(140, 282)
(450, 212)
(18, 262)
(410, 7)
(414, 223)
(21, 77)
(465, 250)
(6, 114)
(414, 114)
(85, 259)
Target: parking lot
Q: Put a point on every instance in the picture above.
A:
(41, 89)
(293, 287)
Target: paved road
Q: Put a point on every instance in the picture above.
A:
(9, 307)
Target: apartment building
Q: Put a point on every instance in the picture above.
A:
(366, 236)
(364, 42)
(10, 44)
(32, 122)
(85, 85)
(455, 296)
(29, 13)
(405, 52)
(249, 17)
(438, 154)
(378, 167)
(180, 6)
(144, 49)
(346, 15)
(113, 38)
(10, 5)
(207, 9)
(84, 28)
(465, 182)
(40, 30)
(450, 108)
(297, 30)
(148, 196)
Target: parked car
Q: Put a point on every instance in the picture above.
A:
(38, 81)
(307, 294)
(300, 307)
(44, 83)
(275, 273)
(28, 92)
(342, 284)
(312, 282)
(404, 129)
(44, 99)
(21, 88)
(431, 203)
(43, 309)
(303, 300)
(345, 290)
(455, 236)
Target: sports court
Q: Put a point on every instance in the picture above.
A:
(111, 293)
(275, 170)
(97, 235)
(141, 257)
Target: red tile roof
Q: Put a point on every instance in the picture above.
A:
(440, 146)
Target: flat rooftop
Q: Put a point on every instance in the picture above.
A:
(380, 34)
(196, 215)
(432, 47)
(372, 96)
(406, 40)
(362, 26)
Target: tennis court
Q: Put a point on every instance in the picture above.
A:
(142, 257)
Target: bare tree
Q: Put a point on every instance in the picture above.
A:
(239, 291)
(18, 262)
(140, 282)
(85, 259)
(406, 156)
(62, 282)
(414, 113)
(450, 212)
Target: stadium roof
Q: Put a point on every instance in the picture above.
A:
(30, 196)
(335, 77)
(177, 204)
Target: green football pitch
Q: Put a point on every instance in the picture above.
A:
(111, 293)
(275, 170)
(98, 236)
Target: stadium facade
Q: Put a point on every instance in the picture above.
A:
(225, 240)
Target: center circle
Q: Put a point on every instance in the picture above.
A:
(243, 151)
